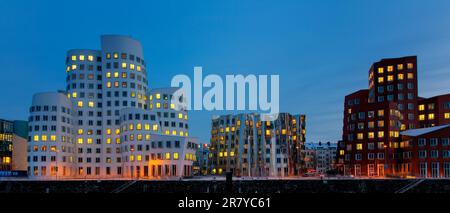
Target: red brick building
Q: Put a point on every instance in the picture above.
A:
(434, 111)
(373, 119)
(426, 152)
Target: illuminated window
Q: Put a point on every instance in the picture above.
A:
(80, 104)
(410, 75)
(421, 117)
(380, 123)
(390, 68)
(158, 96)
(381, 113)
(89, 140)
(124, 65)
(131, 127)
(158, 105)
(80, 131)
(181, 133)
(431, 116)
(91, 104)
(231, 154)
(116, 84)
(421, 107)
(167, 132)
(108, 140)
(74, 58)
(90, 58)
(138, 68)
(380, 79)
(139, 126)
(410, 65)
(360, 136)
(267, 132)
(172, 106)
(180, 115)
(80, 140)
(147, 127)
(36, 138)
(175, 155)
(380, 134)
(380, 70)
(44, 138)
(116, 74)
(341, 152)
(155, 127)
(174, 132)
(81, 57)
(117, 131)
(185, 117)
(283, 131)
(359, 146)
(401, 76)
(400, 66)
(371, 135)
(151, 97)
(131, 66)
(74, 66)
(108, 55)
(74, 95)
(131, 157)
(124, 75)
(447, 115)
(116, 55)
(390, 78)
(167, 156)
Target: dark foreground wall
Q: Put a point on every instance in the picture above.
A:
(256, 186)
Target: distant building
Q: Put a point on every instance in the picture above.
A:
(320, 157)
(13, 145)
(248, 146)
(201, 165)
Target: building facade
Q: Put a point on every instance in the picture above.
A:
(202, 165)
(434, 111)
(13, 145)
(323, 156)
(107, 123)
(248, 146)
(374, 119)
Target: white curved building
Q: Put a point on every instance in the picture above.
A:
(103, 88)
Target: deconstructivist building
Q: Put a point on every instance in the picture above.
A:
(107, 123)
(13, 147)
(248, 146)
(385, 132)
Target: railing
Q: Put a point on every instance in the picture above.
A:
(124, 186)
(410, 186)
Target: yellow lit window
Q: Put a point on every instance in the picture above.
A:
(36, 138)
(90, 58)
(167, 156)
(147, 137)
(185, 117)
(155, 127)
(147, 127)
(380, 79)
(131, 127)
(139, 137)
(108, 131)
(80, 140)
(390, 78)
(116, 55)
(359, 146)
(227, 129)
(138, 68)
(74, 95)
(401, 76)
(151, 97)
(158, 96)
(371, 135)
(74, 66)
(410, 75)
(91, 104)
(53, 148)
(172, 106)
(181, 133)
(390, 68)
(139, 126)
(431, 116)
(116, 74)
(380, 134)
(231, 154)
(380, 70)
(80, 104)
(139, 157)
(117, 140)
(421, 107)
(68, 68)
(74, 58)
(158, 105)
(410, 65)
(53, 137)
(117, 131)
(131, 66)
(108, 55)
(81, 57)
(380, 112)
(175, 155)
(167, 132)
(447, 115)
(360, 136)
(131, 157)
(124, 65)
(267, 132)
(283, 131)
(89, 140)
(421, 117)
(174, 132)
(80, 131)
(341, 152)
(108, 140)
(108, 75)
(400, 66)
(116, 84)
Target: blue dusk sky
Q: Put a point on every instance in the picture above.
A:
(322, 50)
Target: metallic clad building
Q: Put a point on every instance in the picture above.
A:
(248, 146)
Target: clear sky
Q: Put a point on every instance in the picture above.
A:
(322, 50)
